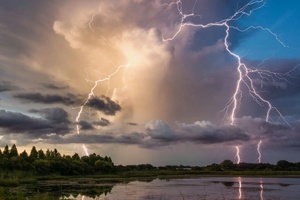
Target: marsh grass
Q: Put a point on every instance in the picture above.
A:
(28, 181)
(8, 194)
(9, 182)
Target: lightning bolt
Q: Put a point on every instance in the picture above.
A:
(244, 72)
(258, 150)
(94, 31)
(238, 154)
(97, 82)
(92, 94)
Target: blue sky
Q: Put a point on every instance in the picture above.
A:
(282, 18)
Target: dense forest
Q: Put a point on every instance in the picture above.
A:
(52, 162)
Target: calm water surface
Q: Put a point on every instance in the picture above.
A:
(203, 188)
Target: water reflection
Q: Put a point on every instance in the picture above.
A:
(92, 193)
(228, 183)
(261, 190)
(157, 189)
(81, 190)
(250, 186)
(240, 187)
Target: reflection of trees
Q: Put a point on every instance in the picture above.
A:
(95, 192)
(148, 180)
(284, 184)
(228, 184)
(55, 190)
(67, 190)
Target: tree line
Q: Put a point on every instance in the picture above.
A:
(281, 165)
(52, 162)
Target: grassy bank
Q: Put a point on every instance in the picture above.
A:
(15, 179)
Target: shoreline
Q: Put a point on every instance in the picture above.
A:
(177, 175)
(127, 176)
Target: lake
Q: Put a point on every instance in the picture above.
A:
(200, 188)
(205, 188)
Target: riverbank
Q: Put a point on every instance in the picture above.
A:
(57, 187)
(13, 180)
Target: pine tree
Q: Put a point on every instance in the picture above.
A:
(56, 153)
(13, 151)
(48, 154)
(24, 155)
(33, 154)
(75, 157)
(6, 151)
(41, 154)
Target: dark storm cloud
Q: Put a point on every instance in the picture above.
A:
(272, 134)
(70, 99)
(84, 125)
(132, 124)
(7, 86)
(18, 122)
(104, 104)
(208, 133)
(57, 118)
(107, 138)
(14, 122)
(158, 130)
(157, 134)
(198, 132)
(54, 86)
(57, 115)
(102, 122)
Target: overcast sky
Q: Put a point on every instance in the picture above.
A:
(153, 81)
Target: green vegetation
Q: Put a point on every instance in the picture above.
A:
(17, 169)
(45, 173)
(13, 165)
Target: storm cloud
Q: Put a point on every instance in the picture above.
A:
(55, 86)
(55, 114)
(170, 89)
(102, 122)
(199, 132)
(54, 121)
(104, 104)
(157, 133)
(69, 99)
(7, 86)
(84, 125)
